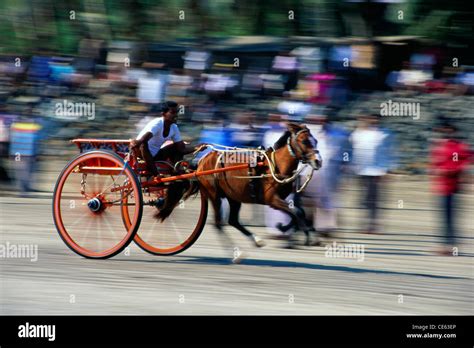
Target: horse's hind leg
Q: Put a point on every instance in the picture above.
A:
(217, 205)
(234, 222)
(225, 240)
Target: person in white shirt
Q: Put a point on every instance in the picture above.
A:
(156, 133)
(372, 158)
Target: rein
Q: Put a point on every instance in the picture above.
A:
(271, 161)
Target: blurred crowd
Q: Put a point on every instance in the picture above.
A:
(240, 91)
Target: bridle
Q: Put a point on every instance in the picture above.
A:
(303, 157)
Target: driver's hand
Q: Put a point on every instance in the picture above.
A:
(133, 143)
(200, 147)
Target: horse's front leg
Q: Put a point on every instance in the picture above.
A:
(295, 213)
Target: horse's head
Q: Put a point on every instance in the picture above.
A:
(303, 146)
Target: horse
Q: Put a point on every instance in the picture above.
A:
(295, 145)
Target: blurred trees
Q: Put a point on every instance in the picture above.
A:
(26, 25)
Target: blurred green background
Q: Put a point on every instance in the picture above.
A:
(59, 25)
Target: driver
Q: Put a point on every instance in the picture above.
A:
(150, 140)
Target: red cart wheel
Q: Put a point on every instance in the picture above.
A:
(87, 204)
(177, 232)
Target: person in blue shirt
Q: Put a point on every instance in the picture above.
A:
(24, 144)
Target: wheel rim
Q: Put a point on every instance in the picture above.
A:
(90, 221)
(177, 232)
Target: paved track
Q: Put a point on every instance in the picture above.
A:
(271, 280)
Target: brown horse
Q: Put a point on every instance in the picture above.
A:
(296, 145)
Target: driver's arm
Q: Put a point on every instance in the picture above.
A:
(144, 139)
(144, 152)
(181, 147)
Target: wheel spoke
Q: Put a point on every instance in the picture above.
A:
(84, 238)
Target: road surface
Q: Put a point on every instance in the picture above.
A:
(399, 275)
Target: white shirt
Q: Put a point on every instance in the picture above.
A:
(414, 77)
(294, 108)
(150, 90)
(364, 143)
(272, 135)
(156, 127)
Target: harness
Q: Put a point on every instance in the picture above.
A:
(222, 149)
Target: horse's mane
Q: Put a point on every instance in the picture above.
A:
(282, 141)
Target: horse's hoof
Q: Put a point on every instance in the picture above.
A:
(259, 242)
(280, 236)
(325, 234)
(290, 246)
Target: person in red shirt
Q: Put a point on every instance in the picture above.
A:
(450, 158)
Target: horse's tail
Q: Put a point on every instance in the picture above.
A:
(176, 191)
(192, 190)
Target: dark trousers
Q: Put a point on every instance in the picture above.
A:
(169, 153)
(371, 185)
(448, 206)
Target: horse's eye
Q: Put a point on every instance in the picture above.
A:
(306, 142)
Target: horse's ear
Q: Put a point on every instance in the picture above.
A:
(303, 126)
(293, 127)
